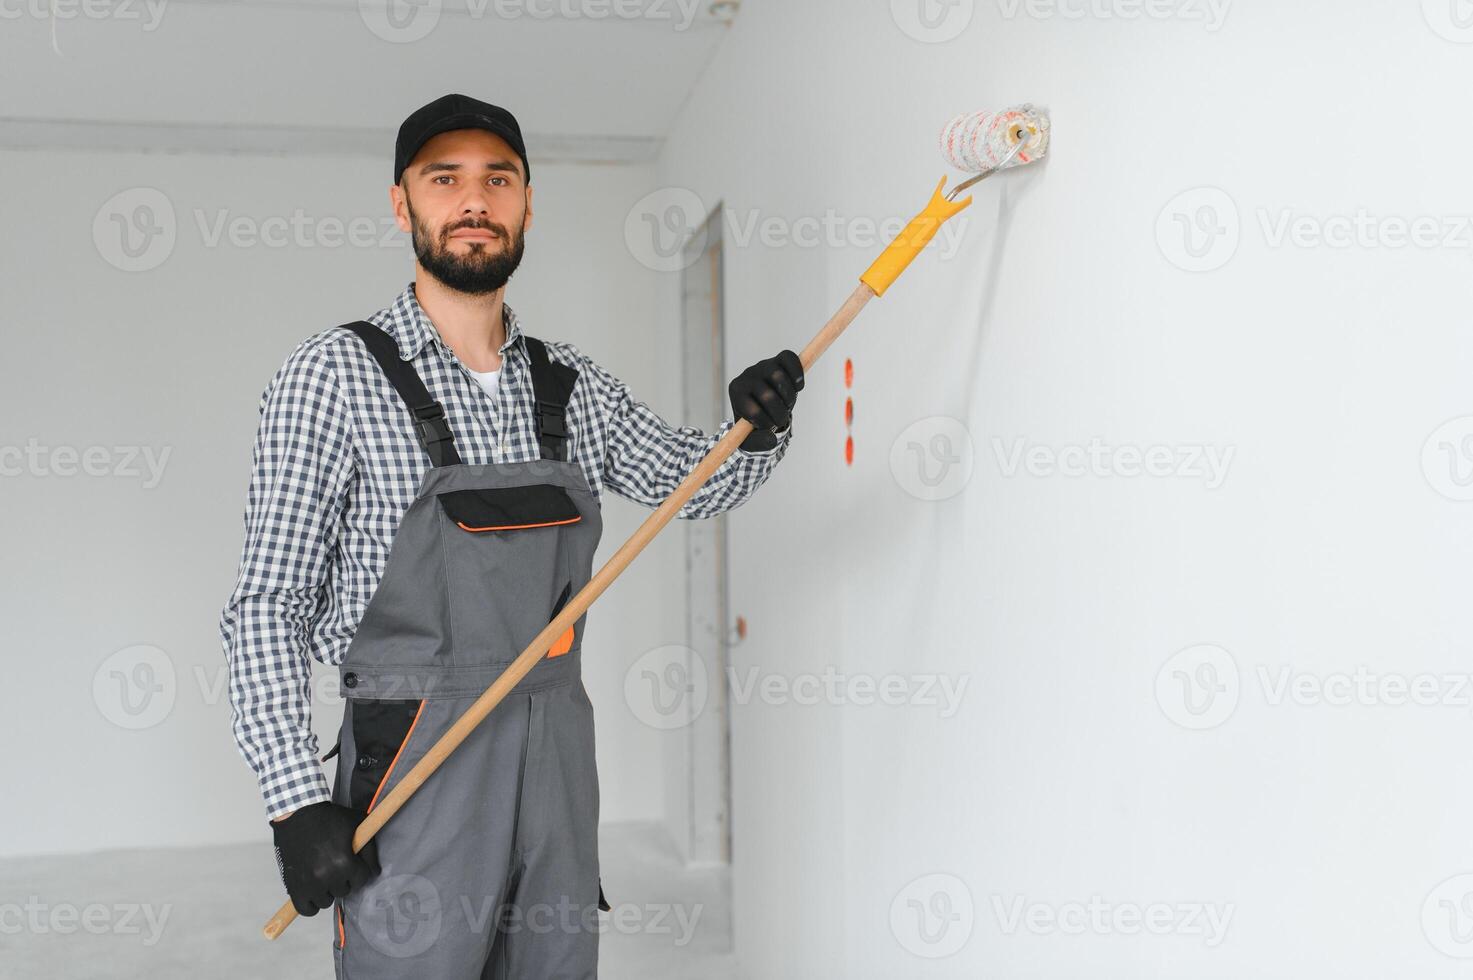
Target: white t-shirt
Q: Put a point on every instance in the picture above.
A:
(490, 380)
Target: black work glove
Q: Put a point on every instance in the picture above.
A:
(314, 849)
(764, 394)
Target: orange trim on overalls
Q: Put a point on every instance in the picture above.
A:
(563, 645)
(397, 754)
(342, 936)
(518, 527)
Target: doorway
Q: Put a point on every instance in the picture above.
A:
(703, 829)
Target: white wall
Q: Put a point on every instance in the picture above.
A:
(1061, 317)
(174, 359)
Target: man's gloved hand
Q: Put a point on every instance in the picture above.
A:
(764, 394)
(314, 849)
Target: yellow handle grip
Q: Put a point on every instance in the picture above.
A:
(912, 238)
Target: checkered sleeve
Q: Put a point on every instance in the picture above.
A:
(645, 457)
(302, 468)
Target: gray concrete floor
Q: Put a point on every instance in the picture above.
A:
(165, 914)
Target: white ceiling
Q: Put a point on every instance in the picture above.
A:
(597, 80)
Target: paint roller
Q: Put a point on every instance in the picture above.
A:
(986, 142)
(981, 143)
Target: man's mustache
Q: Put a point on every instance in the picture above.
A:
(498, 230)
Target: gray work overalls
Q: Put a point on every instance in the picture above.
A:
(491, 869)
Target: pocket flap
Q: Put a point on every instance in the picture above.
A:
(510, 508)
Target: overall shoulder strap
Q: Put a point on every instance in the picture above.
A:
(429, 418)
(552, 387)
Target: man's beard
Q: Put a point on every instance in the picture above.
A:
(477, 272)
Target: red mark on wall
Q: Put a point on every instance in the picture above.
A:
(848, 413)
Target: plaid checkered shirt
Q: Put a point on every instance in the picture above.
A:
(335, 466)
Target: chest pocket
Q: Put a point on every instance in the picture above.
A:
(510, 508)
(508, 554)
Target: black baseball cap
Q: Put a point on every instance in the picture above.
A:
(455, 112)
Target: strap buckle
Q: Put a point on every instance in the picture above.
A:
(432, 429)
(551, 418)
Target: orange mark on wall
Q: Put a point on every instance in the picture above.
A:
(848, 411)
